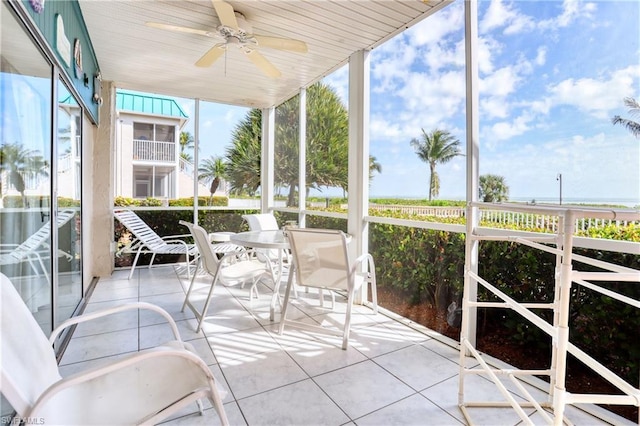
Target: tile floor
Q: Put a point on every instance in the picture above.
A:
(390, 375)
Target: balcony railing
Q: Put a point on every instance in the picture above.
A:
(154, 151)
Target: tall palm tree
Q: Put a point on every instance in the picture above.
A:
(212, 170)
(186, 142)
(437, 147)
(493, 189)
(634, 110)
(17, 161)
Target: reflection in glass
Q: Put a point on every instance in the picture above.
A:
(69, 146)
(25, 151)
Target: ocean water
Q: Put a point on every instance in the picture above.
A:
(623, 202)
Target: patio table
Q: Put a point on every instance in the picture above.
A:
(271, 240)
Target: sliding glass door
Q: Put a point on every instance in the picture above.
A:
(25, 167)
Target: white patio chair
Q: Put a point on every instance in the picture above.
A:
(261, 222)
(232, 268)
(147, 241)
(33, 249)
(142, 388)
(321, 260)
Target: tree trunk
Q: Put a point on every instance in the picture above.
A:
(291, 198)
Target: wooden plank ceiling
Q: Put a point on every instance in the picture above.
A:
(138, 57)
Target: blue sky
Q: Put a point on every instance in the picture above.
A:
(552, 74)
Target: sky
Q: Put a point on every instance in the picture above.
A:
(552, 75)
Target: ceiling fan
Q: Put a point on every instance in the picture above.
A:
(235, 31)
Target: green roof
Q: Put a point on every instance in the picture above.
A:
(148, 104)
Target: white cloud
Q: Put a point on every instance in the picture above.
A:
(572, 10)
(499, 15)
(541, 57)
(596, 96)
(501, 82)
(591, 167)
(494, 107)
(436, 27)
(505, 130)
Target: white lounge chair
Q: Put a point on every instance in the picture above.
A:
(148, 241)
(142, 388)
(36, 247)
(232, 268)
(321, 260)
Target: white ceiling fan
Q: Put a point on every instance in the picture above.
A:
(234, 30)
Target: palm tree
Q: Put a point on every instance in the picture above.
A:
(212, 170)
(437, 147)
(186, 142)
(634, 110)
(493, 189)
(17, 161)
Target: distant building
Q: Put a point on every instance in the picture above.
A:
(148, 162)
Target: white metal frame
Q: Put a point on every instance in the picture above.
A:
(559, 331)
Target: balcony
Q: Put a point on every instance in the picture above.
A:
(394, 372)
(164, 152)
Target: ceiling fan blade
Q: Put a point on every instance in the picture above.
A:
(281, 43)
(211, 56)
(262, 63)
(179, 29)
(225, 13)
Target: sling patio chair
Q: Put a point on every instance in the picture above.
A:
(36, 247)
(144, 387)
(233, 268)
(321, 260)
(148, 241)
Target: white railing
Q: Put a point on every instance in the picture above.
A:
(567, 274)
(540, 221)
(65, 163)
(154, 151)
(186, 167)
(32, 180)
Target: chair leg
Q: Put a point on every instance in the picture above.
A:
(347, 323)
(153, 257)
(374, 295)
(188, 266)
(135, 262)
(206, 304)
(287, 295)
(216, 401)
(193, 279)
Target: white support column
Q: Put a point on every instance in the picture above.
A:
(98, 199)
(268, 159)
(196, 159)
(472, 154)
(358, 189)
(302, 159)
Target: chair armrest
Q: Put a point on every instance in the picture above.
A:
(370, 265)
(137, 358)
(114, 310)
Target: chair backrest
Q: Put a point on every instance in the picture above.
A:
(139, 229)
(201, 238)
(27, 360)
(320, 257)
(261, 222)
